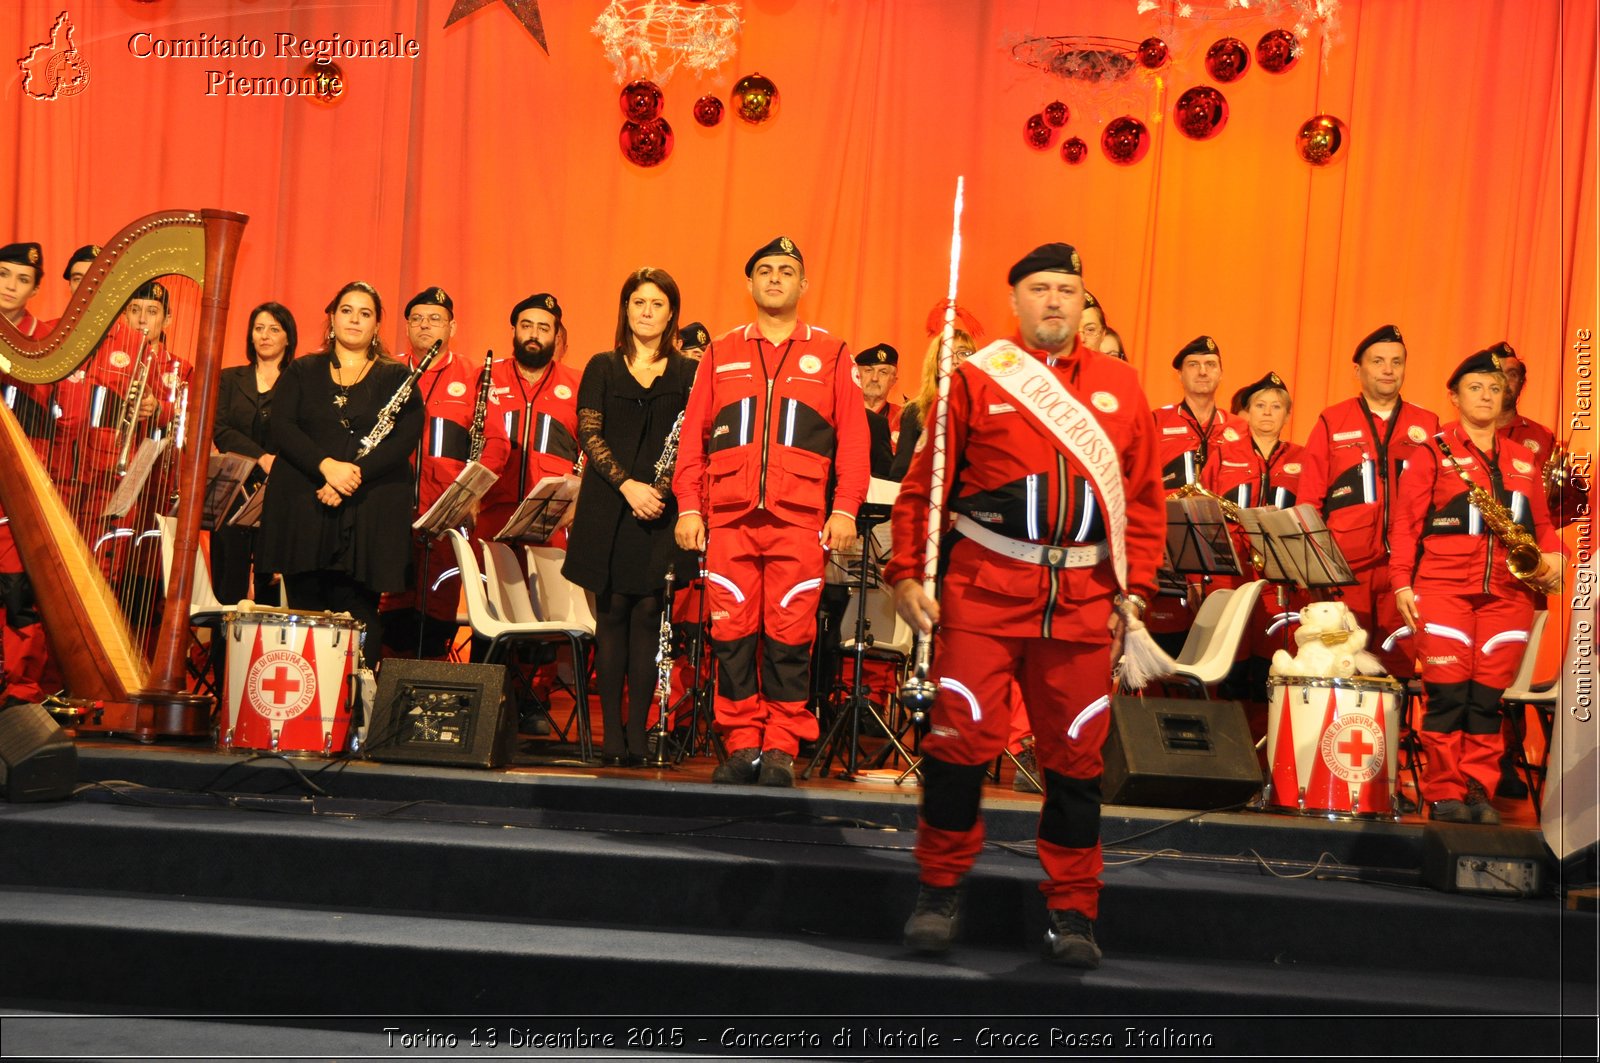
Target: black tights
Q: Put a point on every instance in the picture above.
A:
(338, 592)
(626, 631)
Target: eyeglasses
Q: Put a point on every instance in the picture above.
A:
(418, 320)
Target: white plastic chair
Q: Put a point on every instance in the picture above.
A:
(204, 609)
(1524, 692)
(489, 622)
(1213, 643)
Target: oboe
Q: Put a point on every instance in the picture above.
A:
(664, 675)
(480, 413)
(386, 416)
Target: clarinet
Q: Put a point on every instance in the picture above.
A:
(669, 456)
(664, 675)
(385, 422)
(480, 413)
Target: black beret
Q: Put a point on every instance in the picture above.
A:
(432, 297)
(880, 354)
(779, 245)
(1241, 398)
(1053, 258)
(1198, 345)
(152, 290)
(1485, 361)
(24, 254)
(1089, 300)
(695, 336)
(1505, 350)
(1381, 334)
(86, 253)
(542, 301)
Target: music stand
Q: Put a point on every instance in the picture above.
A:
(870, 573)
(448, 511)
(225, 478)
(545, 510)
(1198, 542)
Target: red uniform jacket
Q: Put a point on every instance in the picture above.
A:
(31, 403)
(91, 405)
(1440, 541)
(767, 426)
(449, 391)
(1244, 475)
(894, 412)
(1006, 473)
(1531, 434)
(540, 423)
(1186, 449)
(1350, 467)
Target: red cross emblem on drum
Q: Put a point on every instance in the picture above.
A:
(1353, 748)
(281, 685)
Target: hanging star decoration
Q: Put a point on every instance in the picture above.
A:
(527, 12)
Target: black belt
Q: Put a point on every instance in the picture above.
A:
(447, 439)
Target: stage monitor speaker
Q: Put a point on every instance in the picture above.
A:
(1179, 753)
(1469, 858)
(38, 762)
(436, 712)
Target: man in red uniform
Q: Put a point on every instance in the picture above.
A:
(24, 652)
(1350, 467)
(774, 413)
(538, 402)
(1055, 483)
(449, 391)
(1470, 614)
(1189, 433)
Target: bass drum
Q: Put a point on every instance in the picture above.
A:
(1332, 744)
(288, 687)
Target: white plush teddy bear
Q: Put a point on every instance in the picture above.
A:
(1341, 654)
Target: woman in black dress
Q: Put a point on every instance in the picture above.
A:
(621, 539)
(244, 408)
(336, 526)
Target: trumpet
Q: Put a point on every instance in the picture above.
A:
(1523, 556)
(128, 421)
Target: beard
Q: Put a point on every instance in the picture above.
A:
(532, 354)
(1053, 335)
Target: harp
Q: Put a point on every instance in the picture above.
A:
(99, 657)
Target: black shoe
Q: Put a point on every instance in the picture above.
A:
(740, 767)
(1479, 805)
(1069, 940)
(777, 768)
(932, 926)
(634, 760)
(1450, 812)
(612, 760)
(1405, 804)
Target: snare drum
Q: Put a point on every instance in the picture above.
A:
(288, 681)
(1333, 743)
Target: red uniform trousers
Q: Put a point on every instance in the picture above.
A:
(1470, 645)
(1066, 693)
(764, 580)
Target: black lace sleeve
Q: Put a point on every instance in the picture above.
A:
(590, 422)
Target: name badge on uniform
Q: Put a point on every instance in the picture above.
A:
(1178, 431)
(1340, 437)
(1002, 407)
(731, 366)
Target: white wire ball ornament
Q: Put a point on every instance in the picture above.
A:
(651, 39)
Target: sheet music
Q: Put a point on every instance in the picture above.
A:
(225, 479)
(546, 509)
(127, 492)
(450, 509)
(248, 515)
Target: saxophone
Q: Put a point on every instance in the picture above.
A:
(480, 412)
(386, 416)
(128, 420)
(1523, 557)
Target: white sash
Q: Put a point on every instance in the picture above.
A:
(1048, 404)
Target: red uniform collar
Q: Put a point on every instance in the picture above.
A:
(802, 331)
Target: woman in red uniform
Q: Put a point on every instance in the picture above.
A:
(1470, 614)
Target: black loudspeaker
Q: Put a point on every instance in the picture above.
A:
(1179, 753)
(433, 712)
(38, 762)
(1467, 858)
